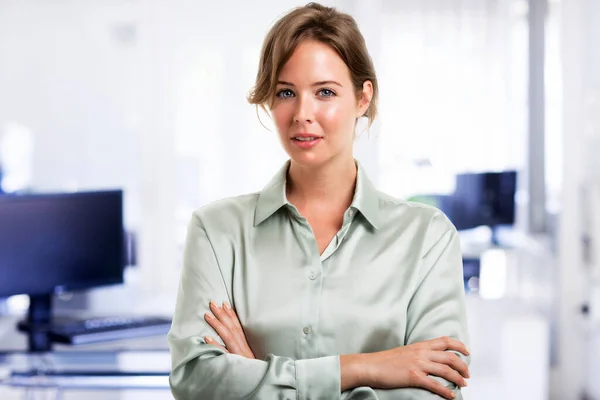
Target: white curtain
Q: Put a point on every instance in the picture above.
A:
(454, 91)
(151, 97)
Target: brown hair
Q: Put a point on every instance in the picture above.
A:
(314, 22)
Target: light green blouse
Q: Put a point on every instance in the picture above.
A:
(391, 276)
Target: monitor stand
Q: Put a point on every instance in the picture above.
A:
(37, 325)
(494, 237)
(43, 329)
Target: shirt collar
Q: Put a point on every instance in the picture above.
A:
(366, 198)
(273, 197)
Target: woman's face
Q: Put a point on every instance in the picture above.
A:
(316, 106)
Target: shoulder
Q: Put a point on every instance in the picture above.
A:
(423, 219)
(227, 213)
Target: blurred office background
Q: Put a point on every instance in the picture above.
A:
(149, 97)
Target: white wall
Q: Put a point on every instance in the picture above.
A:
(148, 96)
(577, 357)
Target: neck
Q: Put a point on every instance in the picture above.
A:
(328, 186)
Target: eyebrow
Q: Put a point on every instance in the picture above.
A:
(319, 83)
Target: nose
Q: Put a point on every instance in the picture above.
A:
(304, 109)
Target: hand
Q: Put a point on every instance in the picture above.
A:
(227, 325)
(408, 366)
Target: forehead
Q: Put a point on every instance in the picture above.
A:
(313, 61)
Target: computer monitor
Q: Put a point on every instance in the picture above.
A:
(52, 243)
(484, 199)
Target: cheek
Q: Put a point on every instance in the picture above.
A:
(336, 116)
(282, 116)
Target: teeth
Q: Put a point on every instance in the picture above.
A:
(305, 139)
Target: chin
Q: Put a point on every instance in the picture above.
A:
(307, 159)
(315, 158)
(311, 160)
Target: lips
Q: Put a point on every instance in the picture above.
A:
(305, 136)
(306, 141)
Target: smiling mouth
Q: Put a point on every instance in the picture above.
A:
(306, 139)
(306, 142)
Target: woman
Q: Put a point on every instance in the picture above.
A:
(319, 286)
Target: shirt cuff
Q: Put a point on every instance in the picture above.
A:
(318, 378)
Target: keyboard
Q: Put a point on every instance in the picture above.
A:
(97, 330)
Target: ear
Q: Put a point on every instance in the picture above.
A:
(365, 98)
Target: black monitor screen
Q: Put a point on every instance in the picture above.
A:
(484, 199)
(60, 242)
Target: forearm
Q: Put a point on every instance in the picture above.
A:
(358, 382)
(411, 393)
(231, 376)
(352, 373)
(204, 371)
(367, 393)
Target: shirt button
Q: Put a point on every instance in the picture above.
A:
(307, 330)
(351, 213)
(312, 276)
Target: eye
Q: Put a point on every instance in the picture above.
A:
(284, 94)
(326, 93)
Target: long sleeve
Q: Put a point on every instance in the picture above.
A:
(202, 371)
(436, 309)
(367, 393)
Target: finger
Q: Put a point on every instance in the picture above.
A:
(452, 360)
(240, 334)
(214, 322)
(232, 340)
(444, 371)
(249, 354)
(210, 340)
(233, 316)
(448, 343)
(226, 318)
(425, 382)
(221, 315)
(224, 332)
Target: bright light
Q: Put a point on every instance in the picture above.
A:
(16, 155)
(473, 284)
(492, 275)
(17, 304)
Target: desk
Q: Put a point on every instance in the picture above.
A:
(125, 369)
